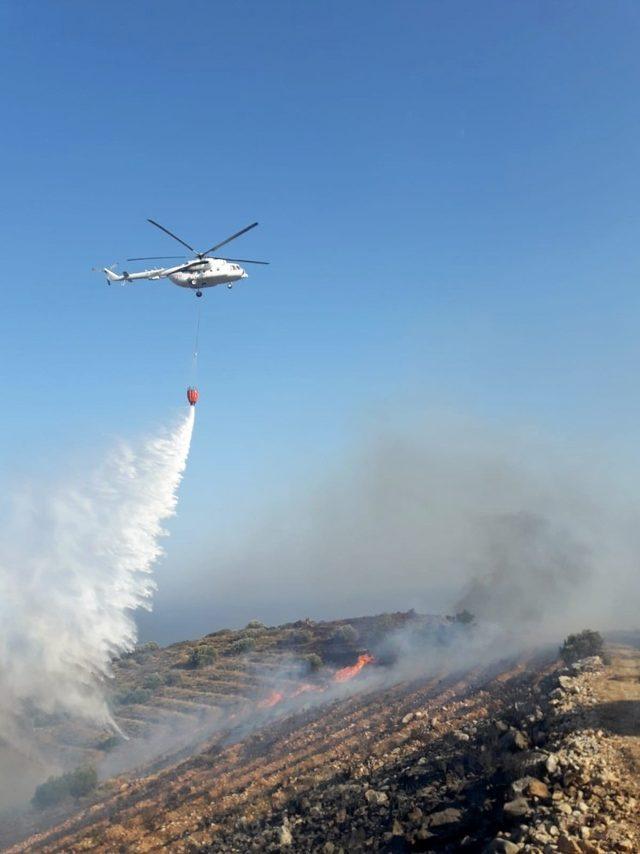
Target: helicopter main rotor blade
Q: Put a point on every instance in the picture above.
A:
(171, 234)
(157, 258)
(228, 240)
(244, 261)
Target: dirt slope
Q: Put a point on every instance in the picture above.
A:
(524, 756)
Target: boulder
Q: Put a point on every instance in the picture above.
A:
(530, 787)
(516, 808)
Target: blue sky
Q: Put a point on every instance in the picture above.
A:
(448, 192)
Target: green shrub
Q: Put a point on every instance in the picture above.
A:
(465, 618)
(345, 634)
(202, 655)
(76, 783)
(108, 743)
(135, 695)
(241, 646)
(173, 678)
(582, 645)
(255, 624)
(82, 781)
(153, 681)
(314, 662)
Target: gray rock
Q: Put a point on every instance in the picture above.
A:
(444, 817)
(516, 808)
(377, 798)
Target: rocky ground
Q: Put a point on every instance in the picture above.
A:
(529, 756)
(553, 770)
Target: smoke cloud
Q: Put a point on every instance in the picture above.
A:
(439, 515)
(75, 562)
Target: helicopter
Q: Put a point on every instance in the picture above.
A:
(203, 271)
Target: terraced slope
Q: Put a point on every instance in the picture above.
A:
(243, 791)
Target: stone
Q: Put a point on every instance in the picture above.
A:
(514, 740)
(537, 789)
(552, 763)
(397, 829)
(516, 808)
(377, 798)
(415, 816)
(443, 817)
(285, 835)
(568, 845)
(530, 787)
(408, 718)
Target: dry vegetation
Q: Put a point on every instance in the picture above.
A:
(531, 755)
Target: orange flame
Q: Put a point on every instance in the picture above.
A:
(346, 673)
(273, 699)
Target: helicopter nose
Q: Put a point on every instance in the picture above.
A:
(244, 275)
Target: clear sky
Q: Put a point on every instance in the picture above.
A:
(449, 194)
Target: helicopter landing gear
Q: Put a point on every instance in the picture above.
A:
(230, 285)
(198, 293)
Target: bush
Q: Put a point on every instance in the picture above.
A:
(173, 678)
(82, 781)
(153, 681)
(76, 783)
(240, 646)
(465, 618)
(345, 634)
(135, 695)
(582, 645)
(108, 743)
(314, 662)
(202, 655)
(255, 624)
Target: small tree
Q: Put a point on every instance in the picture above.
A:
(314, 662)
(464, 618)
(135, 695)
(76, 783)
(345, 634)
(82, 781)
(202, 655)
(241, 646)
(152, 681)
(255, 624)
(582, 645)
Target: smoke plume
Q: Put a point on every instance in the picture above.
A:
(75, 561)
(439, 515)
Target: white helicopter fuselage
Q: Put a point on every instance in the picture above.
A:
(214, 272)
(203, 271)
(196, 275)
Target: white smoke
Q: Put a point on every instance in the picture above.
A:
(75, 561)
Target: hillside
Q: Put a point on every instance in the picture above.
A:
(360, 754)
